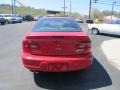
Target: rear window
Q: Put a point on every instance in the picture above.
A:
(56, 25)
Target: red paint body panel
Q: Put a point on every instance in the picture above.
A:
(40, 63)
(57, 34)
(45, 48)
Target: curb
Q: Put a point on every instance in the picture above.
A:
(111, 49)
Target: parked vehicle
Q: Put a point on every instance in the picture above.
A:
(113, 27)
(37, 17)
(98, 20)
(89, 21)
(56, 44)
(19, 19)
(79, 20)
(28, 18)
(9, 18)
(2, 20)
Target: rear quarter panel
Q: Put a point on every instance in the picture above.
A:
(101, 27)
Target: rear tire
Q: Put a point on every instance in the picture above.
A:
(7, 22)
(95, 31)
(3, 23)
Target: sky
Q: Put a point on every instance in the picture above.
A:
(80, 6)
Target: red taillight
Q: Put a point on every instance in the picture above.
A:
(25, 45)
(83, 45)
(34, 45)
(28, 45)
(83, 48)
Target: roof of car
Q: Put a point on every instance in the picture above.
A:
(57, 17)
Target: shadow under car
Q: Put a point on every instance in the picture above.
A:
(110, 35)
(95, 77)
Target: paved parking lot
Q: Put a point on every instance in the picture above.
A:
(13, 76)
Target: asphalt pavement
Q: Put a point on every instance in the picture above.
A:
(13, 76)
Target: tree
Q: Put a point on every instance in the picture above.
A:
(76, 15)
(106, 13)
(85, 17)
(96, 13)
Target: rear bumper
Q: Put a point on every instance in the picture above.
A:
(19, 20)
(41, 63)
(11, 21)
(15, 21)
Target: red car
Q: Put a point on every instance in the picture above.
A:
(56, 44)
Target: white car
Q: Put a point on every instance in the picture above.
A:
(112, 28)
(9, 18)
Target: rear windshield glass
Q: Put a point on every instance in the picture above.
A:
(56, 25)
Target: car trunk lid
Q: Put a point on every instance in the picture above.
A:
(58, 43)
